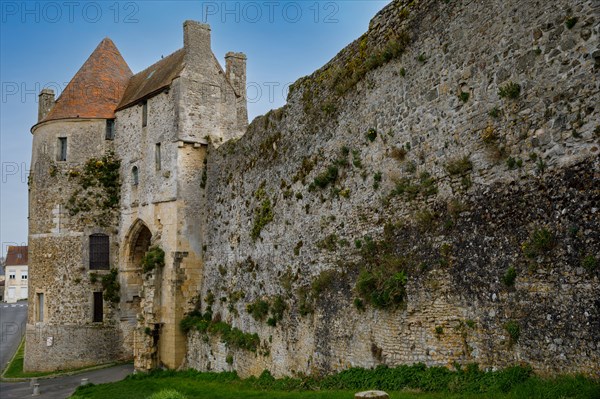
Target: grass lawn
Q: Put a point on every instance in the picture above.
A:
(15, 367)
(193, 384)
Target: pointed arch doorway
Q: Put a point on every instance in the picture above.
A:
(137, 242)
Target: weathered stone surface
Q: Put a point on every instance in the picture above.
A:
(372, 394)
(466, 155)
(533, 165)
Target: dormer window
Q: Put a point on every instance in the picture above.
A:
(135, 176)
(144, 113)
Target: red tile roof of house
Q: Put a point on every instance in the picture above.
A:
(96, 88)
(16, 256)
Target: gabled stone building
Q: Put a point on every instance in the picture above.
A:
(118, 161)
(14, 287)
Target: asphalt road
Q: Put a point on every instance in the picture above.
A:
(63, 387)
(13, 319)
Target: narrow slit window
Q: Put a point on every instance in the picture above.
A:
(40, 307)
(135, 176)
(157, 156)
(98, 307)
(99, 252)
(144, 114)
(62, 149)
(110, 129)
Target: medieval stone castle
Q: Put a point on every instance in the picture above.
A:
(430, 195)
(157, 123)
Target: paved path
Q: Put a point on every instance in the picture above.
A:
(13, 319)
(63, 387)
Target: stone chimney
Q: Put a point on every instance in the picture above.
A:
(235, 70)
(45, 103)
(196, 42)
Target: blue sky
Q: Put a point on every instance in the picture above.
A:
(45, 43)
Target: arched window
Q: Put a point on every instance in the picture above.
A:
(99, 252)
(135, 175)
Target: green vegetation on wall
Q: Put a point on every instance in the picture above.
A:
(539, 243)
(154, 258)
(99, 188)
(263, 214)
(233, 337)
(111, 286)
(260, 309)
(510, 90)
(383, 276)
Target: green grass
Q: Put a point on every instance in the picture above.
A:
(15, 367)
(416, 381)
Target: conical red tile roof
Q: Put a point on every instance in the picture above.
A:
(96, 88)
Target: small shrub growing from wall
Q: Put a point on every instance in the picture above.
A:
(509, 277)
(459, 166)
(305, 305)
(514, 330)
(371, 134)
(494, 112)
(590, 263)
(111, 286)
(376, 180)
(262, 216)
(327, 177)
(510, 90)
(540, 242)
(329, 243)
(154, 258)
(398, 153)
(258, 309)
(380, 289)
(570, 22)
(323, 281)
(278, 308)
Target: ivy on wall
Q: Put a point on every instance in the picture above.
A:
(99, 189)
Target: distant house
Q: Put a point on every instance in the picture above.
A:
(15, 266)
(1, 279)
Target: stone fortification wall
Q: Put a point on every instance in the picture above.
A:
(430, 195)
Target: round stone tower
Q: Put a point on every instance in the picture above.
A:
(74, 191)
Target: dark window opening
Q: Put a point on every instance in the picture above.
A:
(135, 175)
(40, 307)
(98, 307)
(144, 113)
(99, 252)
(157, 156)
(110, 129)
(62, 149)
